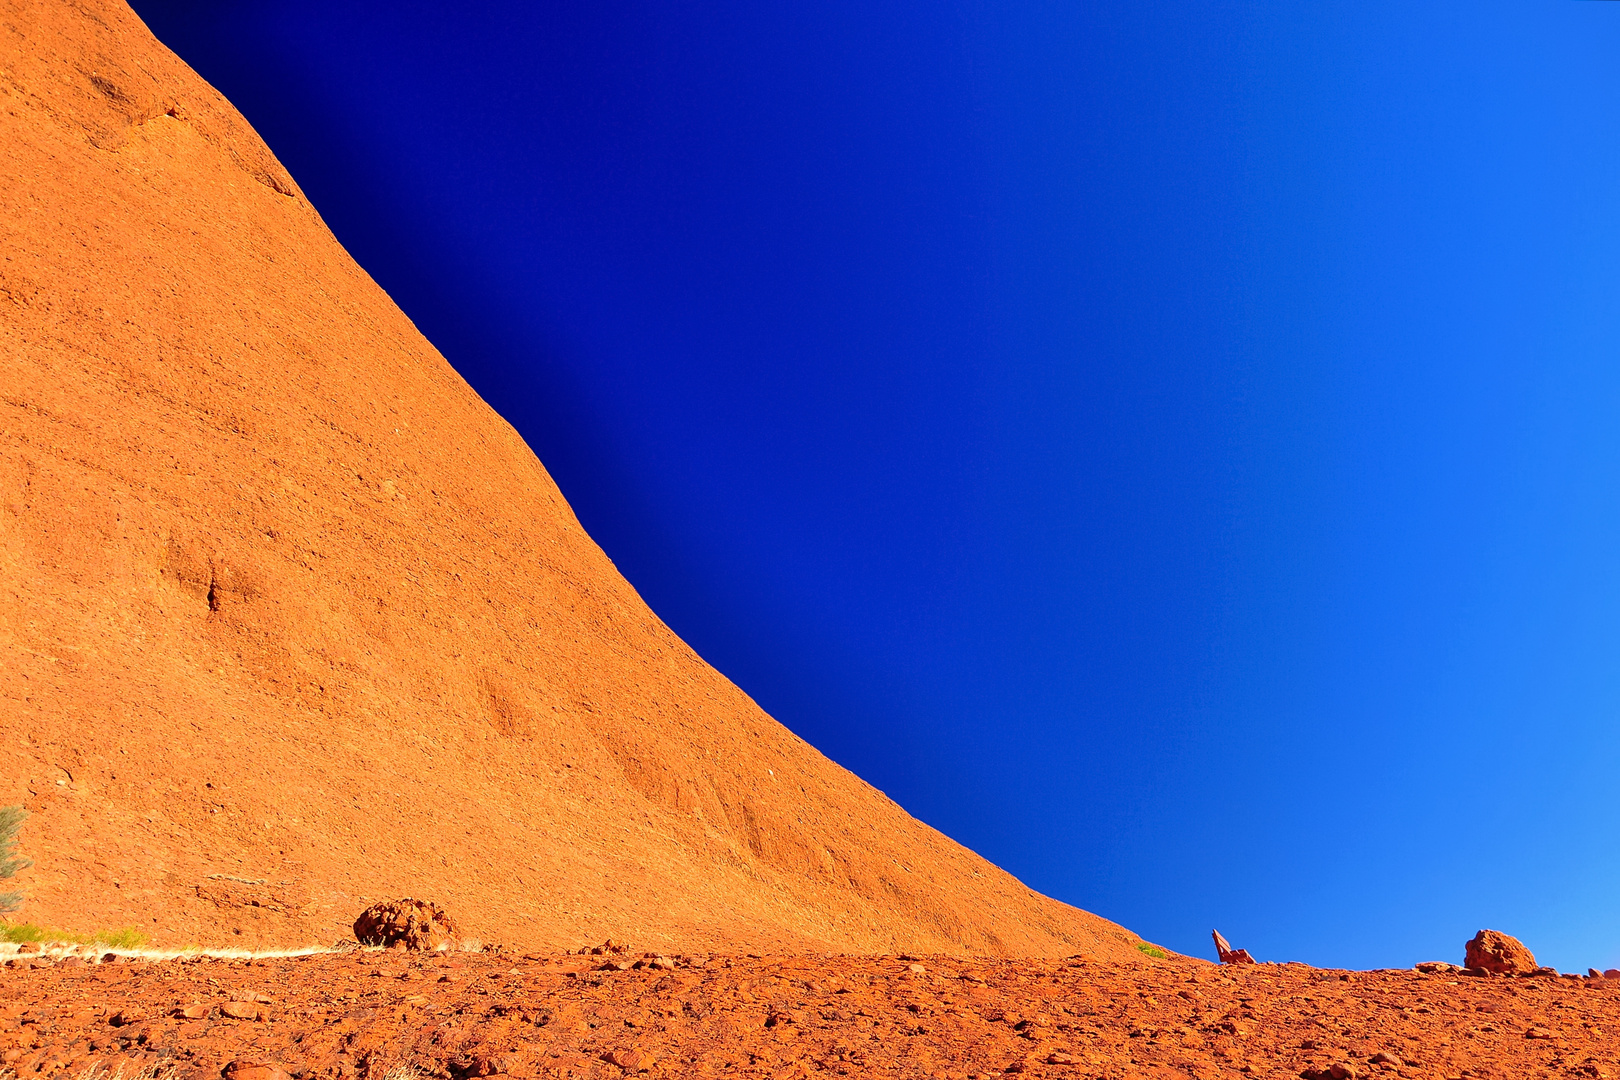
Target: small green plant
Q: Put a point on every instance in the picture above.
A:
(23, 933)
(1151, 950)
(11, 819)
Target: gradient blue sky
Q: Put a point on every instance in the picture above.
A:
(1172, 448)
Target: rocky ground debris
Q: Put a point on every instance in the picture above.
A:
(385, 1014)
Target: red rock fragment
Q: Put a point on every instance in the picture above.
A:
(1499, 954)
(1227, 954)
(631, 1061)
(242, 1010)
(253, 1070)
(1336, 1071)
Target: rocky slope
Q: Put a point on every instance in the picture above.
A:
(292, 621)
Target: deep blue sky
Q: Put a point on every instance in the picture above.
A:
(1174, 449)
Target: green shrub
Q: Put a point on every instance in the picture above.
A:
(11, 819)
(1151, 950)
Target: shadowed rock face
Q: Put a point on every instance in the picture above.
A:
(292, 622)
(408, 924)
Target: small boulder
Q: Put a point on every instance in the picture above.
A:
(1336, 1071)
(409, 924)
(631, 1061)
(1499, 954)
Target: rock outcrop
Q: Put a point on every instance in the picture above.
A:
(1228, 955)
(1499, 954)
(292, 622)
(407, 924)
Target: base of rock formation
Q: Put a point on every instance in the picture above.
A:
(369, 1014)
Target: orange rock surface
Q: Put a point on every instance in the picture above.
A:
(292, 622)
(373, 1015)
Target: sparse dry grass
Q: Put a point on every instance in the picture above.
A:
(400, 1072)
(99, 1071)
(30, 933)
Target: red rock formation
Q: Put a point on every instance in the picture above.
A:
(410, 924)
(1499, 954)
(1227, 954)
(292, 622)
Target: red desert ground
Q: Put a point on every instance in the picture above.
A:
(294, 624)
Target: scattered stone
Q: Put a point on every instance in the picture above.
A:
(631, 1061)
(823, 1015)
(1437, 967)
(1336, 1071)
(408, 923)
(916, 969)
(1499, 954)
(193, 1012)
(493, 1065)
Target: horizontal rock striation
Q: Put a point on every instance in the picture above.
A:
(293, 622)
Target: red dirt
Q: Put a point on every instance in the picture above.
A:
(292, 622)
(362, 1015)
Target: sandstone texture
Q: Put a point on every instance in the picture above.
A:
(409, 924)
(1499, 954)
(372, 1015)
(293, 623)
